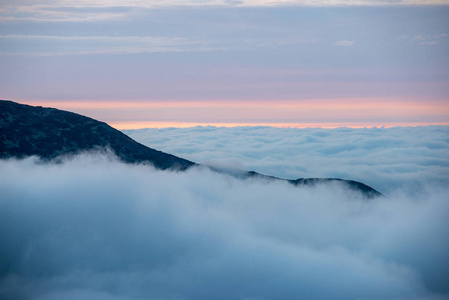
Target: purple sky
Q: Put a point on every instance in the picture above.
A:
(135, 64)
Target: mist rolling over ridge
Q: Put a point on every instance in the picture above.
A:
(52, 134)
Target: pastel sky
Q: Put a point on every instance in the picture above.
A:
(223, 62)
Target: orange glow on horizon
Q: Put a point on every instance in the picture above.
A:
(143, 124)
(325, 113)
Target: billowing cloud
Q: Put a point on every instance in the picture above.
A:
(385, 158)
(94, 228)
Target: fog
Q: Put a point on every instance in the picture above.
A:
(388, 159)
(92, 227)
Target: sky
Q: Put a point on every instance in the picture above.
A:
(136, 64)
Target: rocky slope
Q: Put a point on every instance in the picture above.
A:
(48, 132)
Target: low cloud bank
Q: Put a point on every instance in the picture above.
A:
(94, 228)
(387, 159)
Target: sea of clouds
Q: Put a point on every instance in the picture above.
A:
(92, 227)
(386, 159)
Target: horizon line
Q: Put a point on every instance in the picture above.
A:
(324, 125)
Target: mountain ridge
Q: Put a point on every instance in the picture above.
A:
(50, 133)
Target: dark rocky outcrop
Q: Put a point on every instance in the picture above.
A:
(49, 133)
(366, 190)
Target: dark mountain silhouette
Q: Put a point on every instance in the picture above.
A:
(51, 133)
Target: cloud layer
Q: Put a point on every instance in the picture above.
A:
(384, 158)
(95, 228)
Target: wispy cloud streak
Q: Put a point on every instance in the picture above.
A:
(419, 39)
(44, 45)
(344, 43)
(100, 10)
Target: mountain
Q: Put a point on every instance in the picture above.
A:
(49, 133)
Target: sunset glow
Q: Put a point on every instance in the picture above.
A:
(138, 125)
(329, 113)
